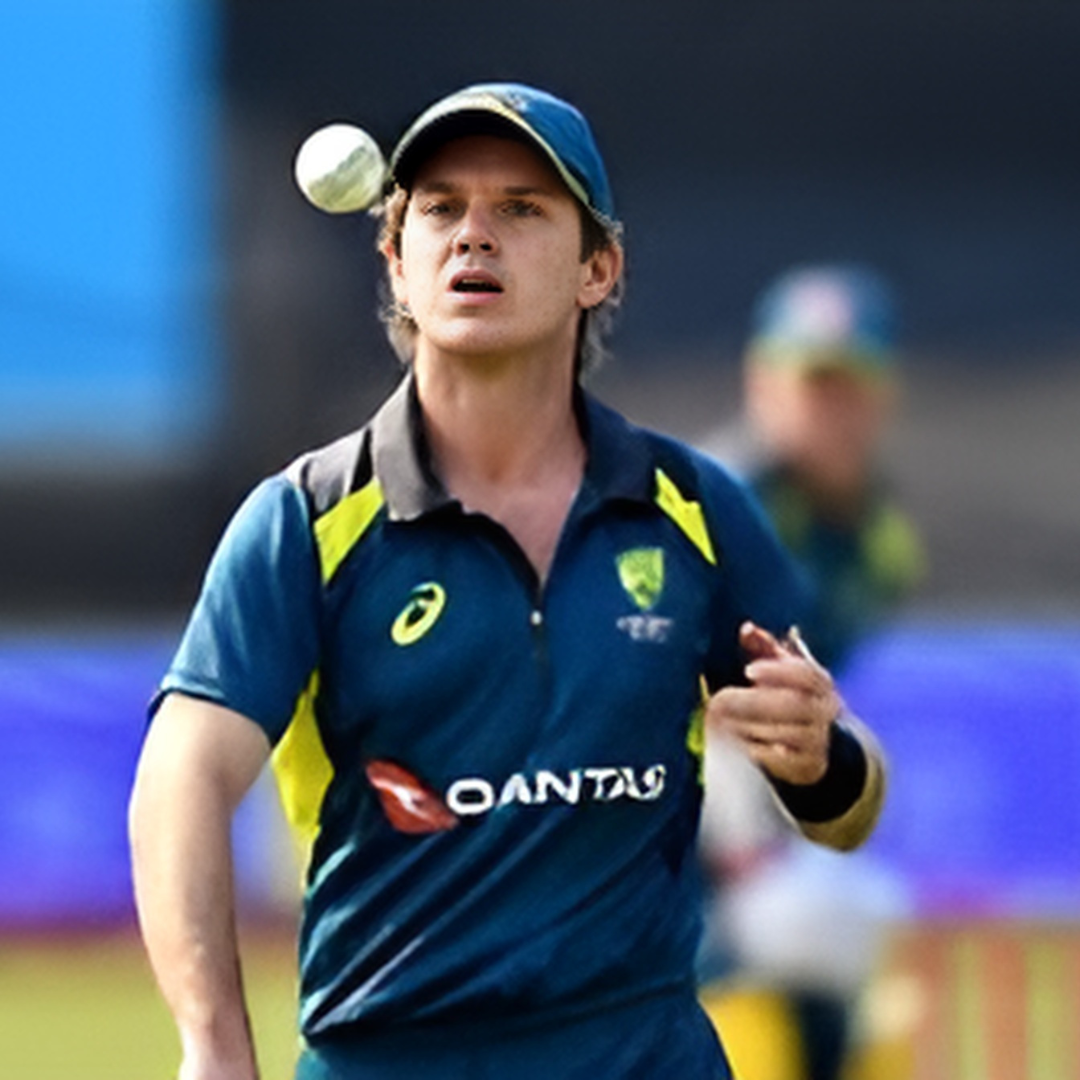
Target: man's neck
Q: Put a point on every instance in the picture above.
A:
(505, 441)
(496, 423)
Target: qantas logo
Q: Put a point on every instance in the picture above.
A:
(474, 795)
(409, 804)
(412, 806)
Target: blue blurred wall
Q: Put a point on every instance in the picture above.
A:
(981, 723)
(73, 711)
(109, 340)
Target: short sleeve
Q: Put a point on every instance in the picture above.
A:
(774, 591)
(252, 641)
(762, 582)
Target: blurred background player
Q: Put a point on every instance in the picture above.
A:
(821, 385)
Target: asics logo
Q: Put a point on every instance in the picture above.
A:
(419, 615)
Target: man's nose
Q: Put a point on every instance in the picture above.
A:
(475, 233)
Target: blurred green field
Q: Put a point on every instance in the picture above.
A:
(955, 1001)
(85, 1007)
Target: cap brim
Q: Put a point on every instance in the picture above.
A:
(426, 137)
(854, 362)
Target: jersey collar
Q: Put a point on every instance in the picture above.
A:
(618, 465)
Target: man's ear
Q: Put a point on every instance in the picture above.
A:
(394, 270)
(389, 252)
(600, 273)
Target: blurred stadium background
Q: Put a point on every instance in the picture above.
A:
(175, 322)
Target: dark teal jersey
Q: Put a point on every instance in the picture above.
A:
(499, 777)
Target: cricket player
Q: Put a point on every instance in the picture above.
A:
(480, 637)
(822, 375)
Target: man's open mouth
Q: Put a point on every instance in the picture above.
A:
(475, 283)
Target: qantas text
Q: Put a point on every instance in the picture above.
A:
(474, 795)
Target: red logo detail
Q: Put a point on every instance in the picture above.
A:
(409, 804)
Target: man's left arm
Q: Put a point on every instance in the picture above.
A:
(824, 765)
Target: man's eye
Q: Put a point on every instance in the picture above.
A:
(522, 208)
(436, 209)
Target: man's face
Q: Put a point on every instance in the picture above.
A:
(827, 422)
(490, 255)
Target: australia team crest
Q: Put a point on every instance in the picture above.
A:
(641, 573)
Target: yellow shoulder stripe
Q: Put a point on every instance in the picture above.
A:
(686, 513)
(303, 771)
(339, 528)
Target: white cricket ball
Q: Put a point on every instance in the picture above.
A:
(340, 169)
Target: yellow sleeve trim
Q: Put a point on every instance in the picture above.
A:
(338, 529)
(695, 733)
(303, 770)
(686, 513)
